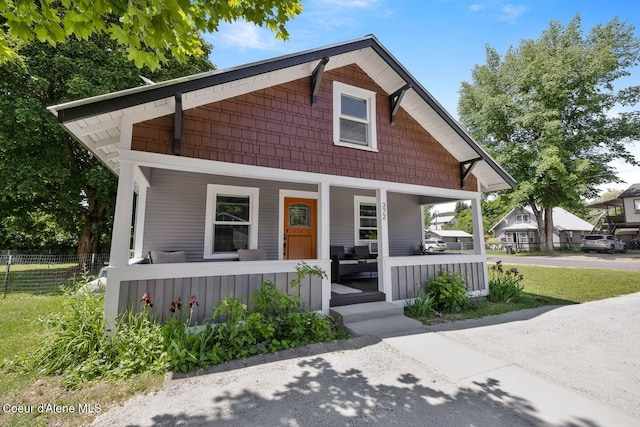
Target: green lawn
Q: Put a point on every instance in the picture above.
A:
(21, 333)
(554, 286)
(577, 284)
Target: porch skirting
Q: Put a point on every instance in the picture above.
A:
(408, 274)
(210, 282)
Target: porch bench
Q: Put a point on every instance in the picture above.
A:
(342, 263)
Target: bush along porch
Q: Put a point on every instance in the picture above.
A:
(77, 347)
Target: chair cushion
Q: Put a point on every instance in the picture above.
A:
(162, 257)
(251, 254)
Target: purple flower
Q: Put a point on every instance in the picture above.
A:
(193, 300)
(146, 300)
(176, 304)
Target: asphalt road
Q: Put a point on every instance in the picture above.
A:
(629, 261)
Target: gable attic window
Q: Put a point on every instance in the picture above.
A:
(522, 218)
(354, 114)
(231, 221)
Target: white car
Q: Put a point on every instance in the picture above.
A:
(434, 245)
(602, 243)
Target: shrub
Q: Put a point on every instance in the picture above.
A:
(504, 285)
(75, 344)
(448, 292)
(77, 347)
(421, 305)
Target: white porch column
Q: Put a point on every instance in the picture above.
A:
(120, 240)
(324, 239)
(121, 233)
(478, 227)
(478, 239)
(384, 269)
(138, 232)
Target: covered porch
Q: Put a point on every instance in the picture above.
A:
(171, 211)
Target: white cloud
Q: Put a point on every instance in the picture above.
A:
(350, 3)
(243, 35)
(506, 12)
(511, 13)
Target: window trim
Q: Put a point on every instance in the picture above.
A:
(370, 97)
(229, 190)
(357, 200)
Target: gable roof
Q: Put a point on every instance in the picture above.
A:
(450, 233)
(562, 220)
(99, 122)
(633, 191)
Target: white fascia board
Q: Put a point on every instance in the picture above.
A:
(188, 164)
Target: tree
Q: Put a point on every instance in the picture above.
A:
(51, 187)
(544, 112)
(428, 217)
(146, 28)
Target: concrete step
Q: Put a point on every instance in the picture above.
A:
(378, 319)
(371, 310)
(385, 327)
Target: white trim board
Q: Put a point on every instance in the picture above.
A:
(189, 164)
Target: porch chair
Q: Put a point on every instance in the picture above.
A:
(252, 254)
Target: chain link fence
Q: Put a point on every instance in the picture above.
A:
(44, 274)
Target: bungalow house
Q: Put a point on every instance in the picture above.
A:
(620, 216)
(520, 229)
(441, 220)
(291, 156)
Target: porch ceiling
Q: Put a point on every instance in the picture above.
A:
(104, 123)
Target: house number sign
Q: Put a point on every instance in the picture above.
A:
(384, 211)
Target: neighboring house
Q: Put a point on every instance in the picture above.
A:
(520, 229)
(338, 145)
(456, 239)
(621, 216)
(439, 221)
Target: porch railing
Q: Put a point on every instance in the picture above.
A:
(408, 274)
(210, 282)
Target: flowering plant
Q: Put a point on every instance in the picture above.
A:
(504, 285)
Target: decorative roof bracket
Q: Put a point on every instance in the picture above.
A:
(177, 125)
(465, 169)
(395, 99)
(316, 79)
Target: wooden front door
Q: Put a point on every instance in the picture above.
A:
(300, 231)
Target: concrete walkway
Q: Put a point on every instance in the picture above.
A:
(567, 366)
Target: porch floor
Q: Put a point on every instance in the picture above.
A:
(368, 285)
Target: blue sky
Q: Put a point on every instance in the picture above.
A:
(438, 41)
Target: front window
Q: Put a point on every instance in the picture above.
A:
(636, 206)
(366, 220)
(522, 218)
(231, 220)
(354, 117)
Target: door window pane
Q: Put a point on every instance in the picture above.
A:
(299, 216)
